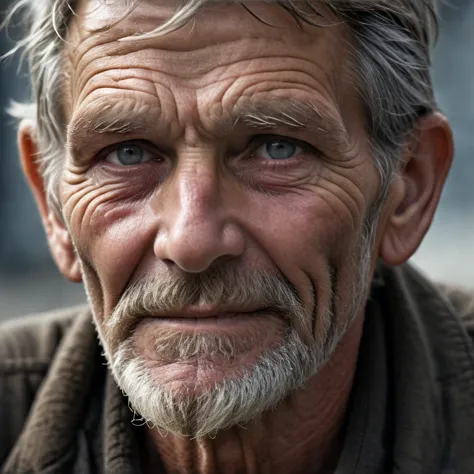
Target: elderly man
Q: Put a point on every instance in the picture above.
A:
(238, 185)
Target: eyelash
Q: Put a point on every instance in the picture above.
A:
(147, 145)
(262, 139)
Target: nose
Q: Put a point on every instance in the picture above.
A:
(196, 226)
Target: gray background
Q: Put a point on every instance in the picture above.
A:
(29, 281)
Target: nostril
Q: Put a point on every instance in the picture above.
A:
(168, 262)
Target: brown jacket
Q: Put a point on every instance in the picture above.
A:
(61, 412)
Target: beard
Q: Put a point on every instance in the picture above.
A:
(234, 401)
(249, 391)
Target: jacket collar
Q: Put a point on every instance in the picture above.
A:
(432, 362)
(50, 434)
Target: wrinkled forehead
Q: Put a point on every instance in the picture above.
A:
(221, 34)
(99, 14)
(216, 22)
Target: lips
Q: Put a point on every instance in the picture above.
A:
(205, 318)
(210, 320)
(210, 312)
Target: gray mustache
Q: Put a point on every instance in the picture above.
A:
(224, 286)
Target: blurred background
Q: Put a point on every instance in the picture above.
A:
(29, 282)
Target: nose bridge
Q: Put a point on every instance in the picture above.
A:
(197, 190)
(196, 227)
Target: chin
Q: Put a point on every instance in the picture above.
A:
(193, 361)
(195, 378)
(212, 391)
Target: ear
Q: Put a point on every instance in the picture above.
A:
(59, 240)
(417, 188)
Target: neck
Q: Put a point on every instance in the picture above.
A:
(303, 435)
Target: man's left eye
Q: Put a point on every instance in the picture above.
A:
(278, 149)
(128, 154)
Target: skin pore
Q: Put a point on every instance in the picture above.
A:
(205, 109)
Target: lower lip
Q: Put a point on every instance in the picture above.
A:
(224, 322)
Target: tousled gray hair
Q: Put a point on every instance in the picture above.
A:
(392, 42)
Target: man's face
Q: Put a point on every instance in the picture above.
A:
(216, 189)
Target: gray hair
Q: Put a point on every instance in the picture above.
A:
(392, 42)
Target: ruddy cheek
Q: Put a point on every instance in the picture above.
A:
(109, 228)
(113, 195)
(120, 246)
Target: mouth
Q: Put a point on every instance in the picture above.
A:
(199, 319)
(209, 319)
(212, 312)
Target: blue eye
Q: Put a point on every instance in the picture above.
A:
(128, 154)
(279, 149)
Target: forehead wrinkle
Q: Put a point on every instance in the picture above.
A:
(205, 35)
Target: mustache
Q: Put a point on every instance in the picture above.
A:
(225, 286)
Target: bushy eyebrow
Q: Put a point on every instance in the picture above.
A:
(116, 124)
(290, 114)
(281, 113)
(287, 112)
(112, 118)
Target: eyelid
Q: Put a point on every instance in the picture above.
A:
(253, 145)
(145, 144)
(259, 140)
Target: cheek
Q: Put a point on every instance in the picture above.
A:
(310, 238)
(111, 234)
(304, 230)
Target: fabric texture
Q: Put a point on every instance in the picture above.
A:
(411, 409)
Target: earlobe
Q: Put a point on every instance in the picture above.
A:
(417, 189)
(57, 234)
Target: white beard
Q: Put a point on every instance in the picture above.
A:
(231, 402)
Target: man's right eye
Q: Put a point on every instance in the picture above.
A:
(128, 154)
